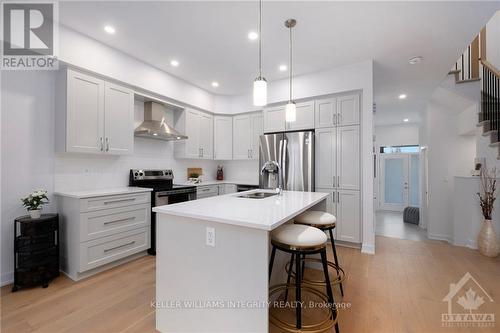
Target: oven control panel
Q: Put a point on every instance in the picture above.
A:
(140, 174)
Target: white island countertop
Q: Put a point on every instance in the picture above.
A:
(82, 194)
(265, 214)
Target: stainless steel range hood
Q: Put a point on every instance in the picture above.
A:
(155, 125)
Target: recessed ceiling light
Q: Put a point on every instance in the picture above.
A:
(283, 68)
(252, 35)
(174, 63)
(402, 96)
(109, 29)
(415, 60)
(406, 120)
(215, 84)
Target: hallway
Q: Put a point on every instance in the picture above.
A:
(390, 224)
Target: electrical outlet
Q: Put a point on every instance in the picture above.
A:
(210, 237)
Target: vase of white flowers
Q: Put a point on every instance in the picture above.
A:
(34, 201)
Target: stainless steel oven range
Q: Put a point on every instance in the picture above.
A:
(164, 193)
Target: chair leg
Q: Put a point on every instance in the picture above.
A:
(289, 275)
(329, 287)
(271, 263)
(298, 296)
(303, 265)
(336, 259)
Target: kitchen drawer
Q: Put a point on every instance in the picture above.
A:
(108, 222)
(207, 191)
(102, 251)
(113, 201)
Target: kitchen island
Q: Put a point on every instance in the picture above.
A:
(212, 260)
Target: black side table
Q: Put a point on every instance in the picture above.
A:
(36, 250)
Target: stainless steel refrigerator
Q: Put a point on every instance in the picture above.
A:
(294, 153)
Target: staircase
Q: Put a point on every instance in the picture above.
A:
(471, 67)
(489, 117)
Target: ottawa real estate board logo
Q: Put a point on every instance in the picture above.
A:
(29, 35)
(469, 305)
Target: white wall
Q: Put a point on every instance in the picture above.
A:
(397, 135)
(493, 40)
(449, 155)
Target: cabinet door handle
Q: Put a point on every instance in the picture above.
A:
(107, 144)
(339, 118)
(121, 220)
(335, 119)
(338, 181)
(119, 200)
(338, 197)
(251, 153)
(118, 247)
(102, 144)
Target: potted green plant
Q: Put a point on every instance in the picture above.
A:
(487, 239)
(34, 202)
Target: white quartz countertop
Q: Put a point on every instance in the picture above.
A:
(265, 214)
(102, 192)
(217, 182)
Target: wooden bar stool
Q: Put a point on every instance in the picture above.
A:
(299, 240)
(325, 222)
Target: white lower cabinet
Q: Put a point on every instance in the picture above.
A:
(345, 206)
(230, 188)
(102, 230)
(207, 191)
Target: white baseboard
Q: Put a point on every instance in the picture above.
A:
(439, 237)
(368, 248)
(6, 278)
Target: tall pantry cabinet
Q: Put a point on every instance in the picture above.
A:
(338, 161)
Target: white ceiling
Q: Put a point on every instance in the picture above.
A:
(209, 39)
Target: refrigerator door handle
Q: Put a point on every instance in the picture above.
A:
(283, 164)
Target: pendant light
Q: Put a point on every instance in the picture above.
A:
(260, 83)
(290, 109)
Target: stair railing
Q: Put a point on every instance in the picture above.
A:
(490, 97)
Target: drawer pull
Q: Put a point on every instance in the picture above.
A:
(206, 190)
(122, 220)
(115, 201)
(118, 247)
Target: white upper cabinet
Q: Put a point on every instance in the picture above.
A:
(348, 218)
(223, 138)
(326, 112)
(348, 158)
(325, 157)
(206, 136)
(242, 136)
(198, 126)
(93, 116)
(274, 119)
(247, 128)
(305, 117)
(348, 110)
(118, 119)
(257, 131)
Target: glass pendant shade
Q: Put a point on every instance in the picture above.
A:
(260, 92)
(290, 112)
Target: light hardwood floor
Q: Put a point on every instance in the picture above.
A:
(400, 289)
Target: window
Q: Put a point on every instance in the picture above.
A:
(399, 149)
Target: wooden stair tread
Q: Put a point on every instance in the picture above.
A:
(468, 80)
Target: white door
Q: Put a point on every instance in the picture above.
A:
(326, 112)
(85, 113)
(305, 117)
(257, 131)
(274, 119)
(206, 136)
(348, 158)
(242, 136)
(394, 181)
(223, 138)
(348, 110)
(325, 157)
(348, 218)
(192, 146)
(118, 119)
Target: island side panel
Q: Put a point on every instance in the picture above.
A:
(236, 269)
